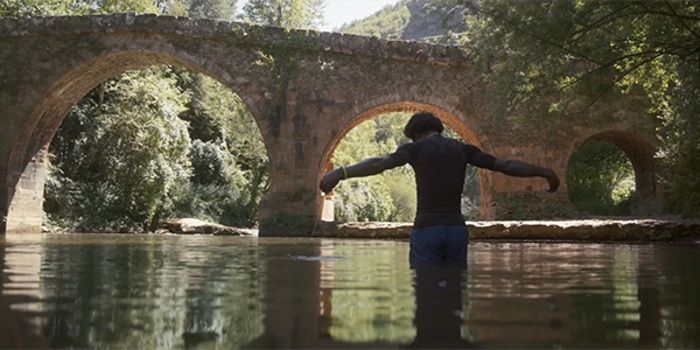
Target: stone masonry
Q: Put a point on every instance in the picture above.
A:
(305, 89)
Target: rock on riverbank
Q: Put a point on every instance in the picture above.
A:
(196, 226)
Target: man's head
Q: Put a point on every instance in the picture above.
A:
(421, 124)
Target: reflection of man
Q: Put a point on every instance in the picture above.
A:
(438, 318)
(439, 232)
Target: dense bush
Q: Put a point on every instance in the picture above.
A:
(601, 179)
(120, 155)
(152, 144)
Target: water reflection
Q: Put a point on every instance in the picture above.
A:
(438, 318)
(19, 286)
(219, 292)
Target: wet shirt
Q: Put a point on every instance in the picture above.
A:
(440, 165)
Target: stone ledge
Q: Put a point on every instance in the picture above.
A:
(646, 230)
(237, 33)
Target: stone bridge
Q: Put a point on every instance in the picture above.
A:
(305, 89)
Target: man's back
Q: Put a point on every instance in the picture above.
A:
(439, 234)
(440, 165)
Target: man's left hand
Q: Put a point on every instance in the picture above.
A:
(553, 181)
(330, 180)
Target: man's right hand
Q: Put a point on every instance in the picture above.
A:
(330, 180)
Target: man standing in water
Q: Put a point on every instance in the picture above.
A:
(439, 234)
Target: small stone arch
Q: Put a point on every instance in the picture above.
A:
(452, 118)
(26, 157)
(641, 152)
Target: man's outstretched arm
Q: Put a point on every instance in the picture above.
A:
(510, 167)
(367, 167)
(522, 169)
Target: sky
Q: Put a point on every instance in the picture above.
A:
(339, 12)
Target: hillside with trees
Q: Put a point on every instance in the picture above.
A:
(414, 20)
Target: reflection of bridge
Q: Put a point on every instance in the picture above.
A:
(316, 87)
(75, 291)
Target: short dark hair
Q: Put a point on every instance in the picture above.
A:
(422, 122)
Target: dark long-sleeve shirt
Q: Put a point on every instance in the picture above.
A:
(440, 165)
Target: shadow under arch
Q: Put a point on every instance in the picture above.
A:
(453, 119)
(640, 151)
(37, 130)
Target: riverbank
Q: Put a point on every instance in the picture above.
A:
(593, 230)
(180, 226)
(587, 230)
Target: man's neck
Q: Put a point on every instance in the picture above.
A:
(427, 134)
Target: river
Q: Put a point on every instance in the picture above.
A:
(148, 291)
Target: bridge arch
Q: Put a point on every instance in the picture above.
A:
(640, 151)
(52, 105)
(452, 118)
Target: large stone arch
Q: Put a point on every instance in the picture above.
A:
(451, 117)
(26, 169)
(641, 151)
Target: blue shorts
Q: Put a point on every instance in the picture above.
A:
(439, 245)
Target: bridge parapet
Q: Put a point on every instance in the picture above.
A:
(238, 33)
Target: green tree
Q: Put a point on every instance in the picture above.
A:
(285, 13)
(229, 157)
(116, 6)
(213, 9)
(562, 57)
(230, 164)
(120, 155)
(23, 8)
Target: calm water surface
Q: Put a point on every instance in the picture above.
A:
(224, 292)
